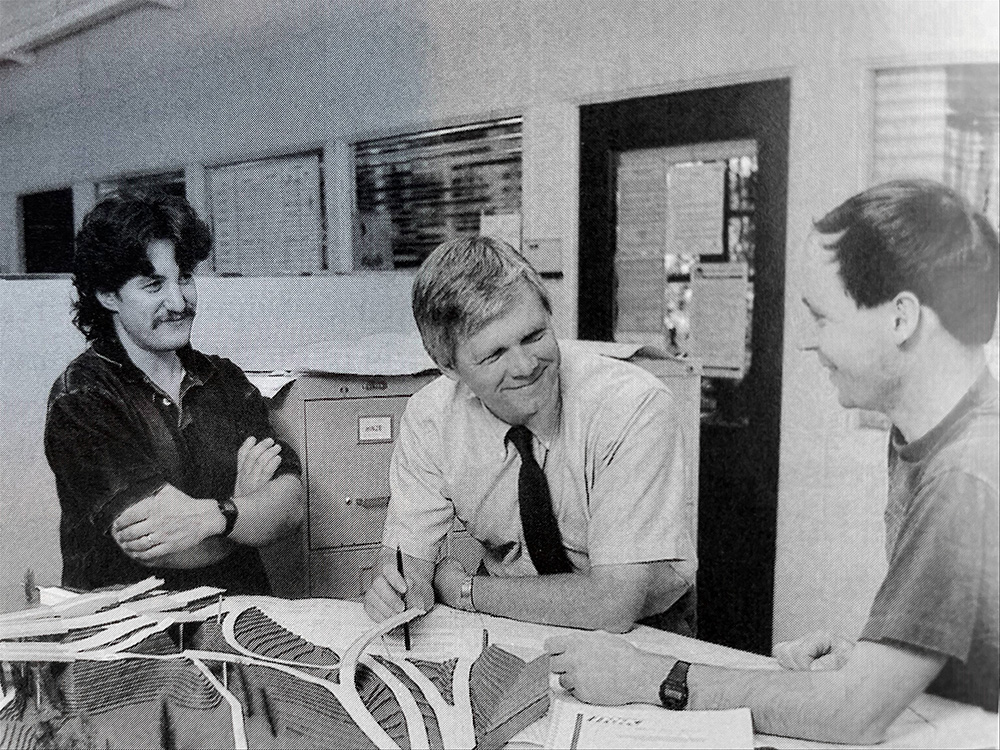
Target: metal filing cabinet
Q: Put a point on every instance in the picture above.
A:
(343, 428)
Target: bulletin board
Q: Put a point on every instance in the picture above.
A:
(267, 217)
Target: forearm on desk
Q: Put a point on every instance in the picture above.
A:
(855, 704)
(807, 705)
(609, 597)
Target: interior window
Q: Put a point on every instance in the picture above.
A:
(417, 190)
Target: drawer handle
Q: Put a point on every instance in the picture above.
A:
(370, 502)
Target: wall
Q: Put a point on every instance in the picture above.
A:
(36, 341)
(159, 89)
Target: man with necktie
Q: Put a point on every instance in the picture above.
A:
(565, 465)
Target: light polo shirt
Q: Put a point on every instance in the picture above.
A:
(620, 488)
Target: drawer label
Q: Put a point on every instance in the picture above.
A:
(375, 429)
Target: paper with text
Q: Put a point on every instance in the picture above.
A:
(579, 726)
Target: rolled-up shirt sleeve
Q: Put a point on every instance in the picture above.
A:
(419, 515)
(641, 501)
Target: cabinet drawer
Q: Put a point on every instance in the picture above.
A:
(342, 574)
(348, 445)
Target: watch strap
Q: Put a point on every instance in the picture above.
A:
(230, 512)
(674, 689)
(465, 595)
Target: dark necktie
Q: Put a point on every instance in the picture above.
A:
(541, 531)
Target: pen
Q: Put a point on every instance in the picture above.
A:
(406, 625)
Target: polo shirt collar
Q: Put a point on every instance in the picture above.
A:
(984, 388)
(198, 368)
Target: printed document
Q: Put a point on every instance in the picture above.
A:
(579, 726)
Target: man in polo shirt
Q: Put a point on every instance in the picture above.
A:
(902, 286)
(164, 458)
(566, 466)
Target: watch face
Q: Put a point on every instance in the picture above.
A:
(672, 698)
(673, 690)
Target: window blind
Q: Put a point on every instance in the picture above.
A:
(171, 183)
(940, 123)
(436, 185)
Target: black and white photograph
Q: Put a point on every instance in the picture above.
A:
(424, 374)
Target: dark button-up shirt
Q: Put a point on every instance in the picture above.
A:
(112, 438)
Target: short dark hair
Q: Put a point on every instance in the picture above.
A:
(465, 284)
(111, 248)
(922, 237)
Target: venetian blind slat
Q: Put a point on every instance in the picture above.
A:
(910, 117)
(437, 185)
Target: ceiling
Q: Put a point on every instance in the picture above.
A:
(26, 25)
(18, 15)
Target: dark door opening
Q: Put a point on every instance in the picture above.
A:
(47, 219)
(738, 472)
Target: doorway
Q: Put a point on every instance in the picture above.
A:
(47, 221)
(655, 173)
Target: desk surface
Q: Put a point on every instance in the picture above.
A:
(444, 633)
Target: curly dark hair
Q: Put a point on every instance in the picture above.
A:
(922, 237)
(111, 249)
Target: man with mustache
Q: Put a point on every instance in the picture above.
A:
(164, 457)
(567, 466)
(901, 284)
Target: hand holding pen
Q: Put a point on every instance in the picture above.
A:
(391, 592)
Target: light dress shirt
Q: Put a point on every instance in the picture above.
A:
(621, 491)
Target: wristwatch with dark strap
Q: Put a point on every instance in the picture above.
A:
(674, 689)
(230, 512)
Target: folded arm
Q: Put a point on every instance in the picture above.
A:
(174, 530)
(270, 507)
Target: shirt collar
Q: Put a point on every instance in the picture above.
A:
(981, 391)
(495, 427)
(198, 368)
